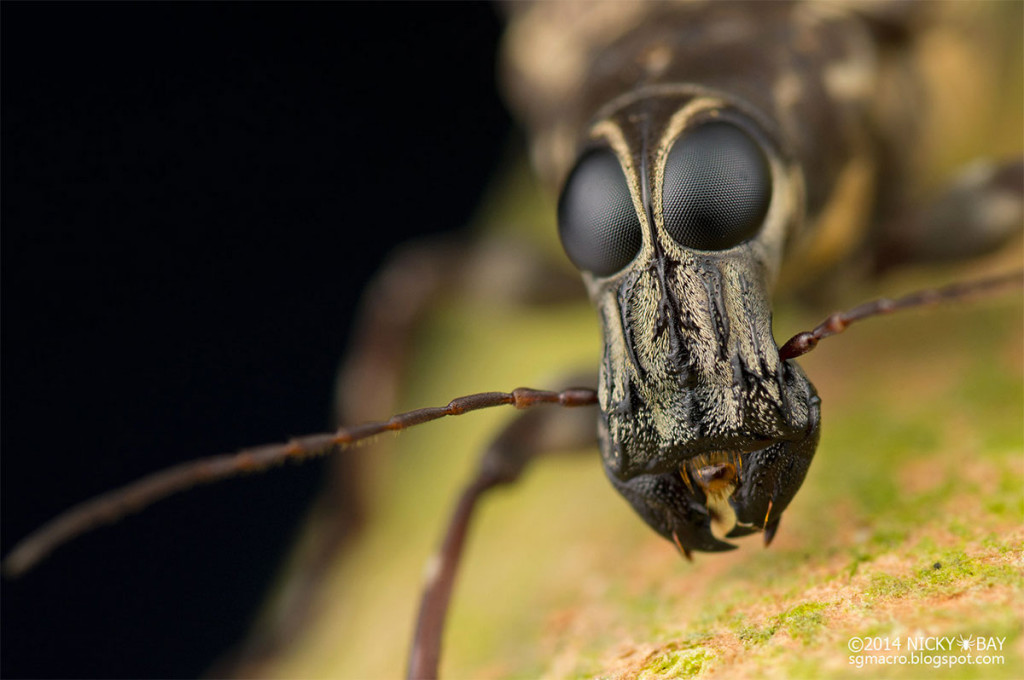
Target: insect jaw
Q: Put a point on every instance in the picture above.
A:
(717, 475)
(699, 499)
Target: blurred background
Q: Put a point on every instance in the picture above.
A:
(193, 199)
(194, 196)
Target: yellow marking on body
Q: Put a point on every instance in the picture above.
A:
(852, 79)
(656, 59)
(786, 93)
(840, 225)
(612, 133)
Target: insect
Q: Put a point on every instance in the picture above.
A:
(684, 544)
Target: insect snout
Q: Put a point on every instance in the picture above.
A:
(697, 500)
(706, 431)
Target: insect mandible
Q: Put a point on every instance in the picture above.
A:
(706, 466)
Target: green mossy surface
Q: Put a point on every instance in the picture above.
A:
(686, 663)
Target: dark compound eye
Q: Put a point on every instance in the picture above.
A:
(717, 188)
(598, 225)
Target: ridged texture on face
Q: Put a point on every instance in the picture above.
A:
(690, 361)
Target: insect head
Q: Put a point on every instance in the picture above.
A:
(677, 214)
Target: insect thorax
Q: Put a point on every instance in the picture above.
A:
(816, 77)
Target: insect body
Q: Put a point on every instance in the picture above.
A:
(706, 155)
(719, 144)
(705, 429)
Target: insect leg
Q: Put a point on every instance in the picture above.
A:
(532, 435)
(979, 211)
(413, 280)
(416, 278)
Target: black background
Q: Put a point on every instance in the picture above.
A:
(193, 196)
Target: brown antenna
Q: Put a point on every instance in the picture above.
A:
(113, 505)
(804, 342)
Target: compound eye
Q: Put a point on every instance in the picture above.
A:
(597, 223)
(717, 188)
